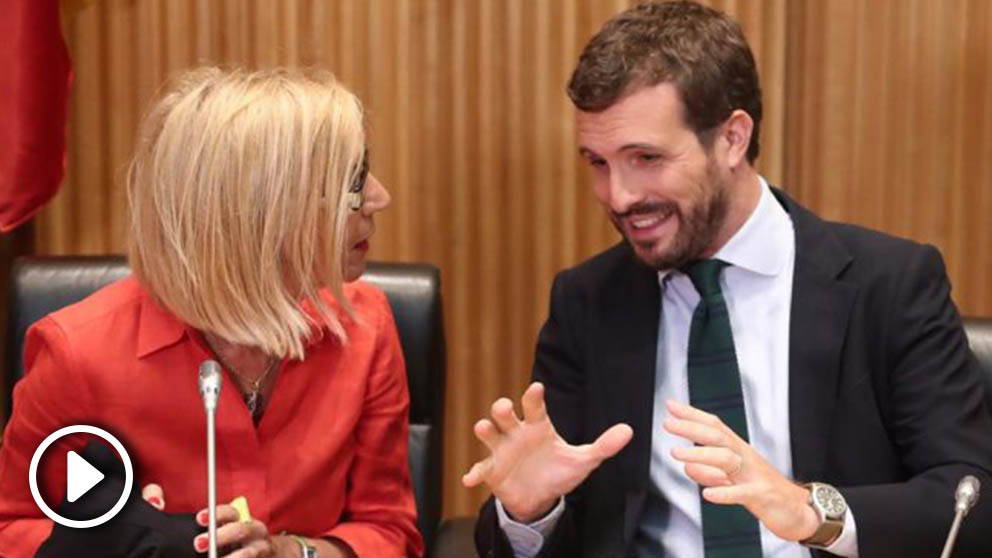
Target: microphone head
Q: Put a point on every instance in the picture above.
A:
(209, 382)
(967, 494)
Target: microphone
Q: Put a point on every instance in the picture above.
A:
(210, 382)
(966, 494)
(964, 499)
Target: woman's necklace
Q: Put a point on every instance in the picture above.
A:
(253, 394)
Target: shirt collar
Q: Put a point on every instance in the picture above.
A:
(157, 328)
(761, 244)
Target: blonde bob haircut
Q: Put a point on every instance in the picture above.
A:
(238, 207)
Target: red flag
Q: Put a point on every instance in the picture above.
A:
(35, 73)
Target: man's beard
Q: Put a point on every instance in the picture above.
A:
(697, 230)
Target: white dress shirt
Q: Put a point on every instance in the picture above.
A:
(757, 287)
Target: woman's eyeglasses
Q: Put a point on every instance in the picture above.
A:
(356, 193)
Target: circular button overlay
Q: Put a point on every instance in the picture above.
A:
(80, 429)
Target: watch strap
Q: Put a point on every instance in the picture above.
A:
(825, 535)
(829, 529)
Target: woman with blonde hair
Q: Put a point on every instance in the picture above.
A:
(251, 212)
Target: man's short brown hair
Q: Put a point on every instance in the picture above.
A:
(701, 51)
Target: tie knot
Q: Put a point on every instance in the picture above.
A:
(705, 275)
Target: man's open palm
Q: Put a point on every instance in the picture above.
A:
(530, 466)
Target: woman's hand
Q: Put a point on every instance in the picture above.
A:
(249, 540)
(152, 493)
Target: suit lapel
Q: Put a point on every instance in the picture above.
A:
(629, 321)
(821, 308)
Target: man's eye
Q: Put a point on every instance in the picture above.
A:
(598, 163)
(647, 157)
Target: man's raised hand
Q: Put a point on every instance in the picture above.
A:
(530, 466)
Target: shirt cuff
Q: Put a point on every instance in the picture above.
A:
(527, 539)
(846, 544)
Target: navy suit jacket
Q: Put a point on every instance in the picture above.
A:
(886, 401)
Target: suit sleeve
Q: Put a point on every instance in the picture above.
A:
(557, 364)
(937, 419)
(51, 396)
(379, 508)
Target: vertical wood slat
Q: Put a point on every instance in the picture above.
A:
(877, 112)
(888, 120)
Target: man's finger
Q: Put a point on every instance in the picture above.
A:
(612, 441)
(478, 473)
(706, 475)
(702, 434)
(504, 416)
(533, 403)
(486, 432)
(153, 494)
(737, 494)
(688, 412)
(724, 459)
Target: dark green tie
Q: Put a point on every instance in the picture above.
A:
(715, 387)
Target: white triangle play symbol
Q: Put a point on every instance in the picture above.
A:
(80, 476)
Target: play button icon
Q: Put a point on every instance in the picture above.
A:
(80, 476)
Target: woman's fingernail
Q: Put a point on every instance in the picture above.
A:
(200, 543)
(155, 501)
(201, 518)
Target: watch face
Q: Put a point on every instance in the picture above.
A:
(830, 500)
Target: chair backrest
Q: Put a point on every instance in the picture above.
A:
(41, 285)
(979, 332)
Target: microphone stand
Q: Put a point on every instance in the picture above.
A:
(211, 486)
(952, 536)
(964, 498)
(210, 383)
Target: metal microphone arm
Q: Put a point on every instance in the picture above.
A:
(210, 383)
(964, 499)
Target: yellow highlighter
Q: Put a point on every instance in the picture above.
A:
(241, 505)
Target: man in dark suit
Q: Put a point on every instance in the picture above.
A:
(770, 384)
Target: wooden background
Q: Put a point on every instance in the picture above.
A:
(878, 112)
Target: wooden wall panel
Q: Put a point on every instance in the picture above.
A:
(471, 131)
(890, 124)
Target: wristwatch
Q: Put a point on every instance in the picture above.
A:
(831, 509)
(307, 550)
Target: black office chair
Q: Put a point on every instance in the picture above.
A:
(40, 285)
(979, 332)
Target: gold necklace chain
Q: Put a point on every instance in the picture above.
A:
(253, 396)
(257, 382)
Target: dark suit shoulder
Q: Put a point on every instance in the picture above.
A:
(880, 256)
(865, 242)
(850, 251)
(603, 269)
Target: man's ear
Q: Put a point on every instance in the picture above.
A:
(736, 133)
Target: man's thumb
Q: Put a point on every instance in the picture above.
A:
(613, 440)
